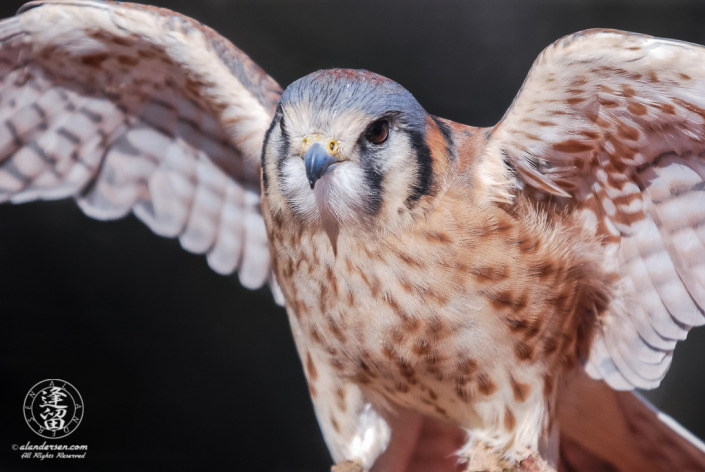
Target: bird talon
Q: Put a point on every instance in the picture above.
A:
(347, 466)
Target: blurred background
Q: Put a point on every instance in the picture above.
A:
(182, 369)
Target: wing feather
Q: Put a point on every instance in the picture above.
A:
(612, 125)
(129, 108)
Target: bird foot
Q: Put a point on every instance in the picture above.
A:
(348, 466)
(483, 459)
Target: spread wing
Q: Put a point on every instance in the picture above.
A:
(612, 124)
(132, 108)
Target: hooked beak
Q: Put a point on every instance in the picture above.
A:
(317, 161)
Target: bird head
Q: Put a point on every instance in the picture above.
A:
(349, 147)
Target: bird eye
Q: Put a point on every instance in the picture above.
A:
(377, 132)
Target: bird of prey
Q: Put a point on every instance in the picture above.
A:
(494, 280)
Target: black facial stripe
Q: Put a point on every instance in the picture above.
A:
(373, 175)
(447, 136)
(374, 178)
(282, 156)
(275, 120)
(424, 178)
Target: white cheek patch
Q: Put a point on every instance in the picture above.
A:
(296, 190)
(344, 191)
(400, 170)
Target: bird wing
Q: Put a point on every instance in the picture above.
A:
(133, 108)
(612, 125)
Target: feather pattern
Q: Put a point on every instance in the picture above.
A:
(168, 126)
(611, 125)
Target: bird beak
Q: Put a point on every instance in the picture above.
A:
(317, 161)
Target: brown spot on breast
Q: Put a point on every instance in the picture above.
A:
(462, 393)
(432, 394)
(519, 389)
(440, 410)
(397, 336)
(509, 420)
(372, 283)
(401, 387)
(322, 298)
(388, 351)
(405, 368)
(333, 283)
(311, 368)
(550, 344)
(287, 269)
(340, 399)
(437, 237)
(351, 298)
(335, 330)
(684, 76)
(516, 323)
(505, 300)
(421, 346)
(406, 285)
(435, 327)
(491, 274)
(575, 100)
(315, 336)
(361, 378)
(466, 366)
(543, 270)
(529, 244)
(312, 390)
(302, 261)
(522, 350)
(432, 358)
(335, 424)
(485, 384)
(409, 259)
(409, 323)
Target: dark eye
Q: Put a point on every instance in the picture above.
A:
(377, 132)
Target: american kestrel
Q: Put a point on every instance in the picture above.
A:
(433, 273)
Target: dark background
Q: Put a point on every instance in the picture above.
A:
(182, 369)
